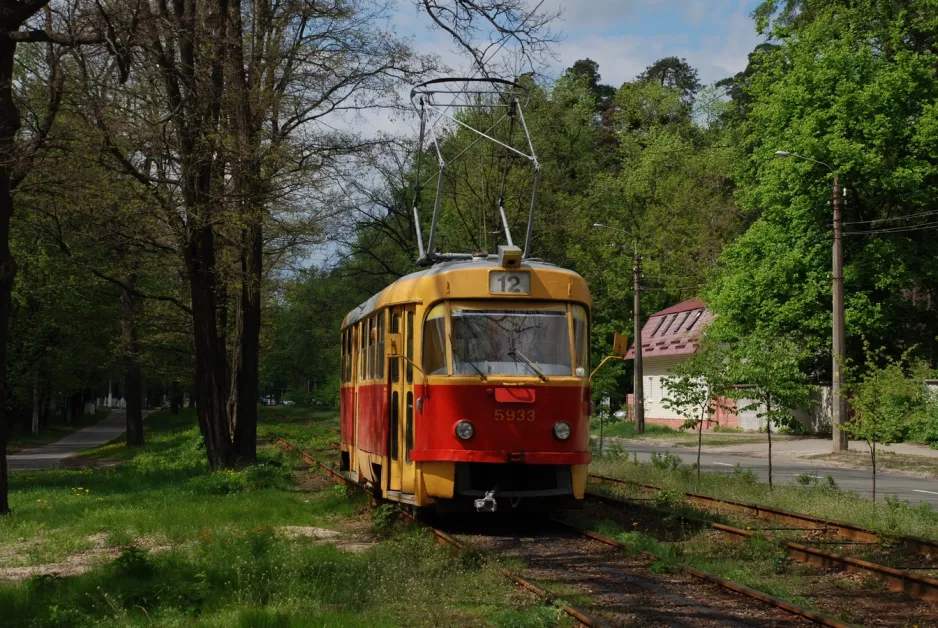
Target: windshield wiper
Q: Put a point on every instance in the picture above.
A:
(470, 363)
(515, 354)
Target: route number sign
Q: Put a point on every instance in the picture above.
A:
(508, 282)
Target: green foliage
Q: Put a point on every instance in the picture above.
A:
(837, 82)
(693, 387)
(890, 401)
(665, 461)
(769, 366)
(669, 498)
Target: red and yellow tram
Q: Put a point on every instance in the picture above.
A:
(468, 382)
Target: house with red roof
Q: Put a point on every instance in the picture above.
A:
(670, 337)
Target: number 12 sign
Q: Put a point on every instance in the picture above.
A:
(507, 282)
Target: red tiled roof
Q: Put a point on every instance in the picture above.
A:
(683, 306)
(674, 331)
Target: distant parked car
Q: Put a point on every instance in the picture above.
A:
(289, 402)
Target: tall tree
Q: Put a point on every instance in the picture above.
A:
(674, 73)
(841, 86)
(15, 159)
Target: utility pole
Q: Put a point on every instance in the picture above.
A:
(838, 403)
(639, 395)
(838, 340)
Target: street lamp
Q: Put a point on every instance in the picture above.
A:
(639, 394)
(838, 403)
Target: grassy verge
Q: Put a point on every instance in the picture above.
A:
(167, 543)
(54, 432)
(681, 438)
(626, 429)
(884, 460)
(720, 440)
(892, 516)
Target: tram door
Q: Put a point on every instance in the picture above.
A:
(401, 403)
(396, 402)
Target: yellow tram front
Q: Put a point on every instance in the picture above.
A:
(468, 384)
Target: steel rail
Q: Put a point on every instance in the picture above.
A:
(844, 529)
(443, 537)
(818, 618)
(919, 587)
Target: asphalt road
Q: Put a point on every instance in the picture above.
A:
(913, 489)
(49, 456)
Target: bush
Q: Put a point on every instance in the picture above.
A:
(669, 498)
(665, 462)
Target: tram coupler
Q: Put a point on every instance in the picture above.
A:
(487, 503)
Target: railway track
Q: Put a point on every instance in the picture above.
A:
(907, 585)
(619, 583)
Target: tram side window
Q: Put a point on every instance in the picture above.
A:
(581, 340)
(371, 348)
(348, 354)
(362, 333)
(342, 357)
(396, 363)
(434, 341)
(410, 347)
(379, 343)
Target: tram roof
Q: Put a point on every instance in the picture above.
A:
(405, 289)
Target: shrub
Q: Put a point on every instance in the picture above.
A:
(669, 498)
(665, 462)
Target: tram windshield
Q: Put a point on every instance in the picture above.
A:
(496, 342)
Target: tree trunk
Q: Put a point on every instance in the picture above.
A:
(768, 430)
(245, 437)
(34, 428)
(873, 455)
(699, 446)
(9, 125)
(210, 368)
(251, 193)
(133, 381)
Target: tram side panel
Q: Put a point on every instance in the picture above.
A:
(372, 433)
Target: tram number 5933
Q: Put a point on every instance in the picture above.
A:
(506, 282)
(514, 415)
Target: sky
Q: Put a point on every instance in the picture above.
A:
(625, 36)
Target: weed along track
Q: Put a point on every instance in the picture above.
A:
(849, 531)
(840, 577)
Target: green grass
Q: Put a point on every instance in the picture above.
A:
(755, 562)
(716, 440)
(55, 431)
(217, 559)
(890, 517)
(884, 460)
(626, 429)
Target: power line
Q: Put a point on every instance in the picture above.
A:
(866, 222)
(895, 229)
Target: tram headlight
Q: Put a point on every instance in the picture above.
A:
(561, 430)
(464, 430)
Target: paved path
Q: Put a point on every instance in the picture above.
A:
(785, 470)
(49, 456)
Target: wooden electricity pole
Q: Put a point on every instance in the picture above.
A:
(639, 394)
(838, 403)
